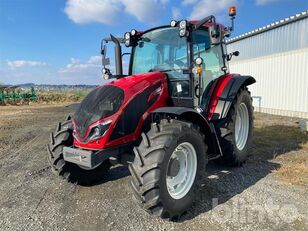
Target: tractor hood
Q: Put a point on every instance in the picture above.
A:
(112, 98)
(135, 83)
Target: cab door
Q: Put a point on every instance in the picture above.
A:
(214, 65)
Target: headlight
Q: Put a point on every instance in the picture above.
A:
(99, 130)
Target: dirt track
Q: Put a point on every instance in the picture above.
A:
(258, 196)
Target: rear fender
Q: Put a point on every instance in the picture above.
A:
(191, 115)
(223, 93)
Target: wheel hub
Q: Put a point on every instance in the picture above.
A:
(174, 168)
(181, 170)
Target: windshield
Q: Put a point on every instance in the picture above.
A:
(160, 50)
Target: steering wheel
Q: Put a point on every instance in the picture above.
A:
(178, 63)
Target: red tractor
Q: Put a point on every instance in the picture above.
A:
(177, 109)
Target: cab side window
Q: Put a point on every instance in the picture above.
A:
(211, 55)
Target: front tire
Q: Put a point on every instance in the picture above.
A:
(71, 172)
(168, 167)
(236, 136)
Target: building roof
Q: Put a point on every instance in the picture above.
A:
(271, 26)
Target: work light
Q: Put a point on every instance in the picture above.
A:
(183, 28)
(104, 70)
(183, 24)
(182, 32)
(127, 37)
(199, 61)
(173, 23)
(133, 32)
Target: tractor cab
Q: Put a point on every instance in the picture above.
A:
(191, 53)
(177, 56)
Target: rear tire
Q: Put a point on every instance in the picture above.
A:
(71, 172)
(236, 136)
(162, 185)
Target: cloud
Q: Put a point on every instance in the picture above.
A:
(87, 11)
(208, 7)
(264, 2)
(109, 11)
(176, 13)
(77, 71)
(25, 63)
(189, 2)
(76, 66)
(145, 10)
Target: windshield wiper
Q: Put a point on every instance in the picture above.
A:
(145, 39)
(168, 70)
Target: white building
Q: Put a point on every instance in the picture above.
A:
(277, 56)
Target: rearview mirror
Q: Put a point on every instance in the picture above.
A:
(235, 53)
(215, 34)
(105, 61)
(103, 50)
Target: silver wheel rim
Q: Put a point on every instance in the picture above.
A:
(180, 184)
(241, 126)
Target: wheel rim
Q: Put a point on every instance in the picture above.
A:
(241, 126)
(181, 170)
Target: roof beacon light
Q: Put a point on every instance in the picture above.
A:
(232, 11)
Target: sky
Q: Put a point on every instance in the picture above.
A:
(58, 41)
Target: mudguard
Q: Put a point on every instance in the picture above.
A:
(191, 115)
(222, 93)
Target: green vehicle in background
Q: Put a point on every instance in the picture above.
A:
(14, 95)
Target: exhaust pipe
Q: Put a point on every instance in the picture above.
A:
(118, 56)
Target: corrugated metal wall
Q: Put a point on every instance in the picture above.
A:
(278, 59)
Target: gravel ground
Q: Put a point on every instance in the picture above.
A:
(253, 197)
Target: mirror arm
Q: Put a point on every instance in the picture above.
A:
(229, 56)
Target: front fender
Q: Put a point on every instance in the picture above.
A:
(191, 115)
